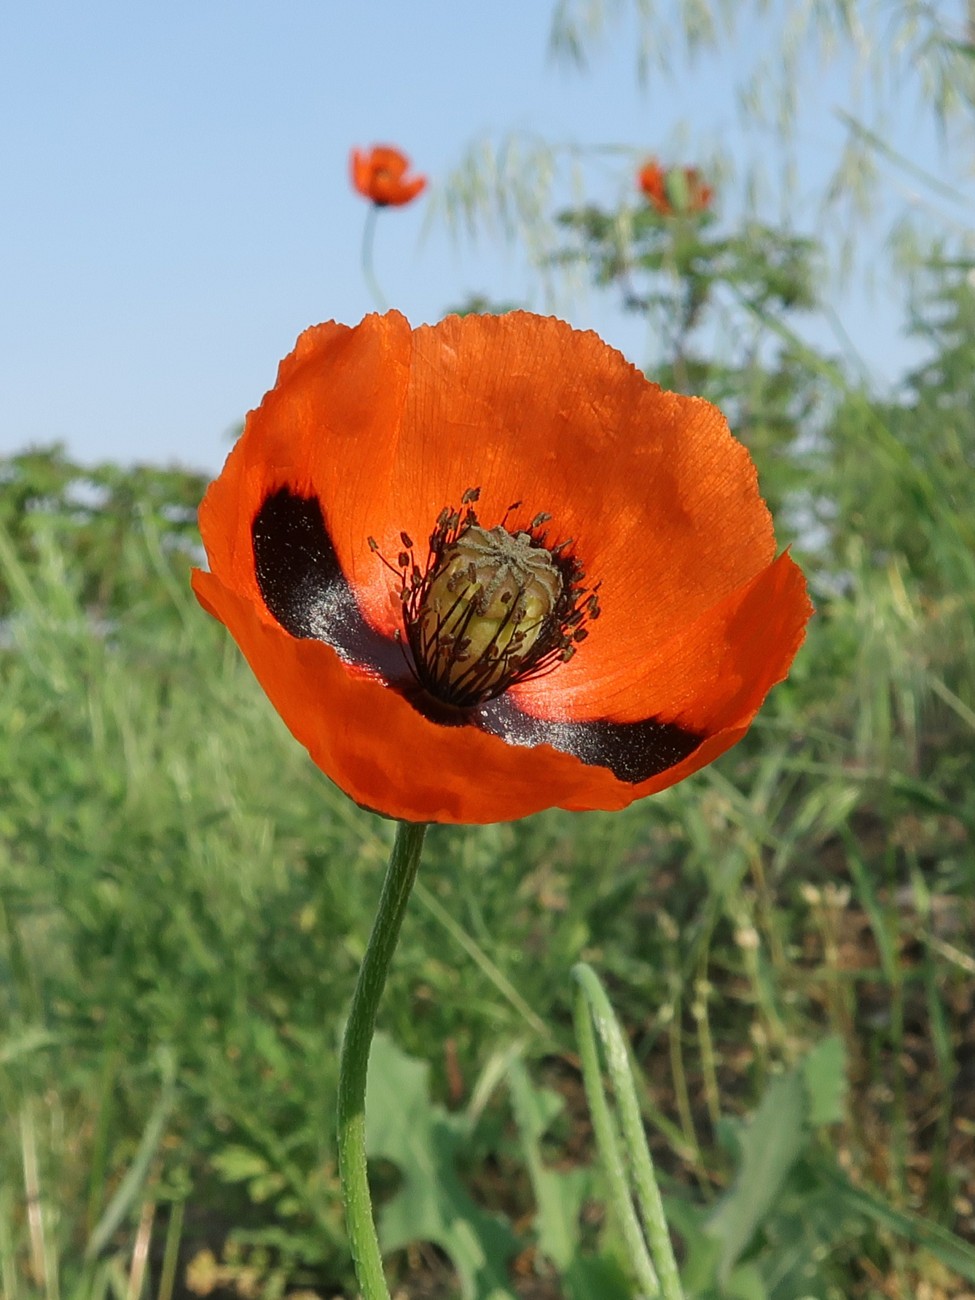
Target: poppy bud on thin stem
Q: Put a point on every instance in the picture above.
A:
(674, 191)
(381, 175)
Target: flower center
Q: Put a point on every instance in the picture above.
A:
(492, 606)
(489, 601)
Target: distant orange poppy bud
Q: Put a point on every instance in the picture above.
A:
(674, 189)
(380, 176)
(485, 567)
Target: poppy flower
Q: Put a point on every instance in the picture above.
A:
(380, 176)
(485, 567)
(674, 189)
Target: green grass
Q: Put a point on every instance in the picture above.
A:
(184, 900)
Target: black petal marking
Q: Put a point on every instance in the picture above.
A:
(633, 751)
(303, 586)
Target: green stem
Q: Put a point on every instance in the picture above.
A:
(404, 862)
(608, 1141)
(640, 1163)
(368, 237)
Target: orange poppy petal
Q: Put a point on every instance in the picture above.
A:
(384, 754)
(528, 409)
(407, 191)
(712, 674)
(386, 157)
(323, 429)
(380, 175)
(652, 180)
(360, 171)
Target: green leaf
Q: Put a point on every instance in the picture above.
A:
(824, 1074)
(422, 1139)
(239, 1164)
(746, 1283)
(769, 1143)
(595, 1275)
(952, 1251)
(25, 1043)
(135, 1177)
(559, 1197)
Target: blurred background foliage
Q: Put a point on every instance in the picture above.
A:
(787, 938)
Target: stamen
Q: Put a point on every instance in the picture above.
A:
(491, 607)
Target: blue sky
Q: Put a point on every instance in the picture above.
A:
(177, 207)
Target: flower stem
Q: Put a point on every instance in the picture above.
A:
(400, 875)
(593, 1008)
(368, 237)
(608, 1142)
